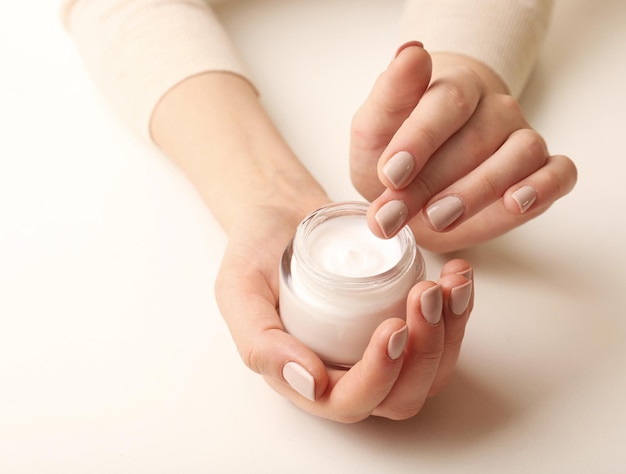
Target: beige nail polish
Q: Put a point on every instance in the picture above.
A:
(431, 303)
(524, 197)
(406, 45)
(398, 168)
(466, 273)
(391, 217)
(300, 380)
(397, 343)
(444, 212)
(460, 298)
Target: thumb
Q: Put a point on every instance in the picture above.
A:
(290, 367)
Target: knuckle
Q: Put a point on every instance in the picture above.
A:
(489, 184)
(558, 182)
(249, 356)
(533, 144)
(428, 136)
(348, 419)
(429, 358)
(457, 98)
(474, 144)
(426, 185)
(398, 411)
(366, 135)
(453, 341)
(569, 172)
(395, 101)
(510, 104)
(254, 350)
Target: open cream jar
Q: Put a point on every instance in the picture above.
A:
(338, 281)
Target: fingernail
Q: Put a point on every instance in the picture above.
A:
(431, 303)
(399, 168)
(397, 343)
(444, 212)
(466, 273)
(460, 298)
(391, 217)
(299, 379)
(406, 45)
(524, 197)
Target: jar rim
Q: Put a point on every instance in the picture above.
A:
(322, 278)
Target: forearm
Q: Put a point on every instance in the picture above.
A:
(215, 128)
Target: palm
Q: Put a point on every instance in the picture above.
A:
(247, 283)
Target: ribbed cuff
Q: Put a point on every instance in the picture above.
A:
(506, 35)
(137, 51)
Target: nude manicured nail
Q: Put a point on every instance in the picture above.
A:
(406, 45)
(444, 212)
(399, 168)
(300, 380)
(524, 197)
(391, 217)
(397, 343)
(431, 303)
(460, 298)
(466, 273)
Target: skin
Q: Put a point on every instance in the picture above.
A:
(469, 138)
(213, 126)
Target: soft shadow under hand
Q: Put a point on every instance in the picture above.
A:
(466, 413)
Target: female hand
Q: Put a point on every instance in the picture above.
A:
(404, 363)
(450, 153)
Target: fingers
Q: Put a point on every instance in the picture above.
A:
(436, 315)
(395, 94)
(352, 395)
(520, 156)
(521, 176)
(450, 104)
(494, 120)
(405, 362)
(288, 365)
(362, 388)
(457, 281)
(447, 106)
(423, 353)
(459, 152)
(518, 185)
(539, 190)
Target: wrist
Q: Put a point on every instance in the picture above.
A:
(216, 130)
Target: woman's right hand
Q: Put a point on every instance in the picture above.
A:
(439, 144)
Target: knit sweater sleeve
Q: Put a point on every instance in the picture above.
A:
(503, 34)
(138, 50)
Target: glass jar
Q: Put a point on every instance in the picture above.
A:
(338, 281)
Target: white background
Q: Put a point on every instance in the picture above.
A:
(114, 358)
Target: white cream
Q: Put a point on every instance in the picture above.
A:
(346, 247)
(339, 281)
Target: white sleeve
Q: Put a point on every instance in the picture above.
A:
(506, 35)
(138, 50)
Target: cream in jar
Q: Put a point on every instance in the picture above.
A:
(338, 281)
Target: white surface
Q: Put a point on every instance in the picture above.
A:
(113, 356)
